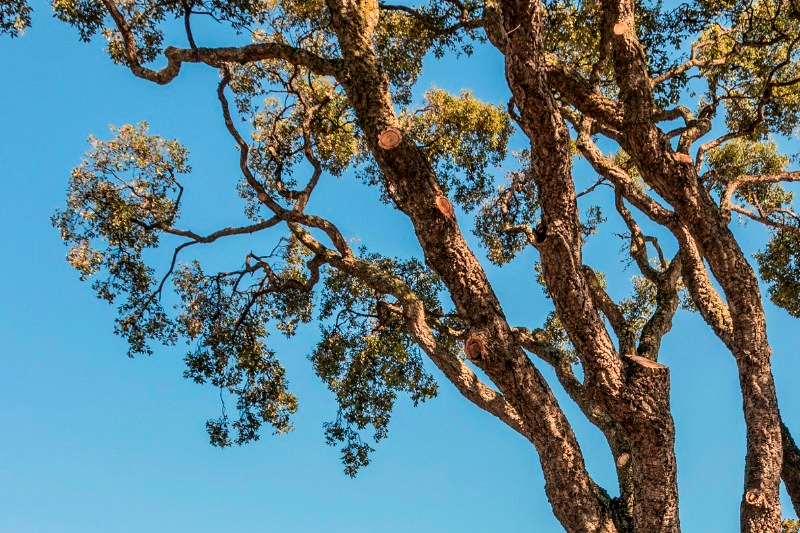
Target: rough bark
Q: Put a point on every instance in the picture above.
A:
(633, 393)
(412, 185)
(715, 312)
(676, 181)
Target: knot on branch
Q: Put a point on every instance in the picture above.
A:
(755, 497)
(540, 232)
(474, 347)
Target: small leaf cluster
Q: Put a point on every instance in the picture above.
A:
(758, 65)
(502, 217)
(639, 306)
(790, 525)
(402, 40)
(556, 337)
(661, 31)
(402, 46)
(305, 23)
(15, 16)
(367, 356)
(300, 118)
(594, 217)
(118, 201)
(464, 138)
(779, 265)
(573, 31)
(743, 157)
(229, 322)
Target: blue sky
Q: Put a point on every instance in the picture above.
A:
(96, 442)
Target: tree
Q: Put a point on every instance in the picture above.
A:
(319, 85)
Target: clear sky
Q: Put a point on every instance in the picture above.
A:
(95, 442)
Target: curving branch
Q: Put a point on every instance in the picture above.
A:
(416, 319)
(214, 56)
(570, 85)
(693, 61)
(623, 182)
(742, 180)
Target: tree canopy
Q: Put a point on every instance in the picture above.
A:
(679, 110)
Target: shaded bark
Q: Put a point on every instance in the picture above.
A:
(790, 471)
(625, 395)
(714, 311)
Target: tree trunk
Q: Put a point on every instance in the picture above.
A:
(634, 393)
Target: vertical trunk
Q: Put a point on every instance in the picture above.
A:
(676, 181)
(635, 393)
(648, 420)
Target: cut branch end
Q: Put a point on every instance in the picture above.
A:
(620, 28)
(645, 362)
(445, 207)
(754, 497)
(389, 138)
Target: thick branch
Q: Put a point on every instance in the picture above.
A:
(629, 383)
(413, 187)
(535, 342)
(560, 249)
(576, 90)
(674, 177)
